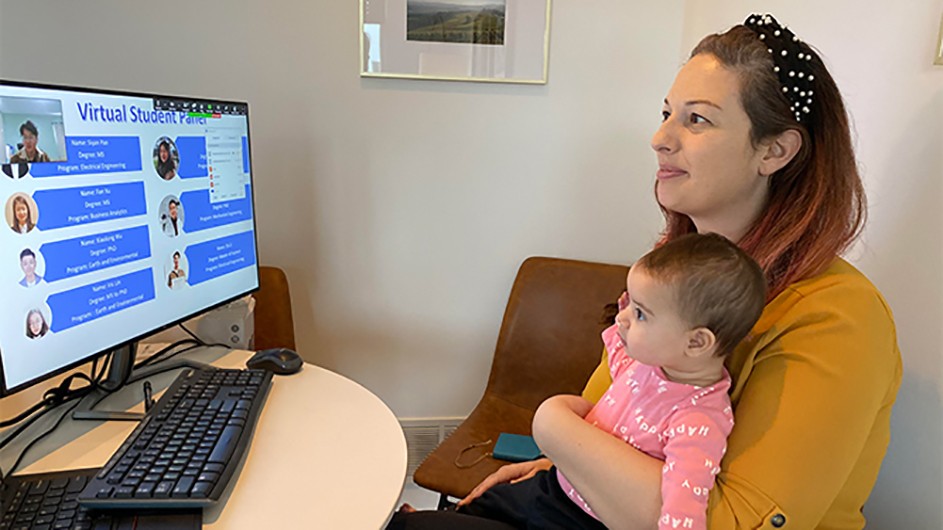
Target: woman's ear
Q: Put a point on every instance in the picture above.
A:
(701, 341)
(779, 151)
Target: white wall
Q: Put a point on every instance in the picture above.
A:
(400, 209)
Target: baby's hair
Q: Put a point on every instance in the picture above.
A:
(716, 284)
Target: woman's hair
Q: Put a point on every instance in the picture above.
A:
(816, 205)
(29, 213)
(715, 285)
(29, 331)
(164, 167)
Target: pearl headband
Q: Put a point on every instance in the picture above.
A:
(791, 60)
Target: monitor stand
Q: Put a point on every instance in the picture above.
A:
(120, 373)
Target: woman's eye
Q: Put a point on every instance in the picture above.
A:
(698, 119)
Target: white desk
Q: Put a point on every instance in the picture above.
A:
(326, 453)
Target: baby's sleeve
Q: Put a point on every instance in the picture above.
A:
(696, 444)
(618, 360)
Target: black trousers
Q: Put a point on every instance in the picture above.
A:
(534, 504)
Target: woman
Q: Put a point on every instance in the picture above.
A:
(764, 157)
(22, 215)
(166, 166)
(36, 324)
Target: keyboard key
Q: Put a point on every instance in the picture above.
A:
(124, 492)
(208, 477)
(182, 489)
(104, 493)
(145, 490)
(191, 440)
(164, 488)
(225, 445)
(201, 489)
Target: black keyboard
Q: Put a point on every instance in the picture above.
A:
(47, 501)
(186, 448)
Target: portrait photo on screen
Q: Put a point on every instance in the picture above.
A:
(37, 325)
(176, 271)
(31, 266)
(166, 158)
(21, 213)
(33, 130)
(171, 216)
(15, 171)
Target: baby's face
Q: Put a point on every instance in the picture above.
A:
(649, 324)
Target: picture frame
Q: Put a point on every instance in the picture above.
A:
(939, 46)
(491, 41)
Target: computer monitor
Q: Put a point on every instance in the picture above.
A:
(124, 214)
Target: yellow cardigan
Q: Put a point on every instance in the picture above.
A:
(813, 387)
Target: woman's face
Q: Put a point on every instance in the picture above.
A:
(176, 261)
(21, 210)
(164, 153)
(707, 166)
(172, 208)
(35, 323)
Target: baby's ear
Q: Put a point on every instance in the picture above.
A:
(701, 341)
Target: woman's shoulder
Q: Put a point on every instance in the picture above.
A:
(839, 288)
(840, 304)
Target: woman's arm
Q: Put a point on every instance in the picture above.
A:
(622, 484)
(812, 412)
(513, 473)
(812, 408)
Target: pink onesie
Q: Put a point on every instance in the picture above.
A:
(684, 425)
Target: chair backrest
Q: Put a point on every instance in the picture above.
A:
(549, 341)
(274, 327)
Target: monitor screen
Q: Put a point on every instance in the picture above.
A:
(124, 214)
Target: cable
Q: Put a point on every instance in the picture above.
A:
(153, 359)
(192, 334)
(201, 341)
(51, 399)
(36, 440)
(22, 416)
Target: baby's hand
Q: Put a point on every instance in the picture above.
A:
(624, 300)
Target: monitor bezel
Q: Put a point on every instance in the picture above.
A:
(4, 390)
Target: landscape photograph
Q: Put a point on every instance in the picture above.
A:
(457, 21)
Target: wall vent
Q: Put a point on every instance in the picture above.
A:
(423, 435)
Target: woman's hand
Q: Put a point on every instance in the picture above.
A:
(511, 473)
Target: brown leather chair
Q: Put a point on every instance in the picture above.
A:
(549, 344)
(274, 327)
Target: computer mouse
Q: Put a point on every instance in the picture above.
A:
(281, 361)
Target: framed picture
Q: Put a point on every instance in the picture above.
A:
(939, 47)
(495, 41)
